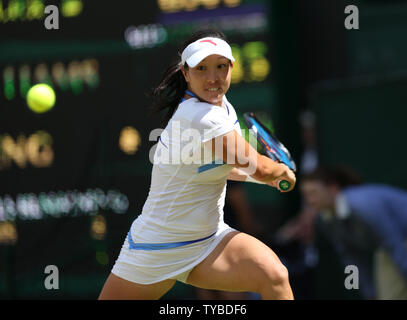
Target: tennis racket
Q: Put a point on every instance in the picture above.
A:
(272, 147)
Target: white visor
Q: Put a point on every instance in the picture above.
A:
(195, 52)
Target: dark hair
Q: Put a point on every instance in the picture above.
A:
(343, 176)
(172, 86)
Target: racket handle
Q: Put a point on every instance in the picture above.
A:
(284, 185)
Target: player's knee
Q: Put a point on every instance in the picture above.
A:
(276, 277)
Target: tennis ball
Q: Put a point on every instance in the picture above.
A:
(40, 98)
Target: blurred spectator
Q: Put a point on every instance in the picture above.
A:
(296, 237)
(309, 157)
(367, 224)
(238, 212)
(301, 227)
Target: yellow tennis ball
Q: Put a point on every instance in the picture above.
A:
(40, 98)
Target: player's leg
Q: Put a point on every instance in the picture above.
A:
(242, 263)
(116, 288)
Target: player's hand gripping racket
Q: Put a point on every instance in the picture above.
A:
(273, 148)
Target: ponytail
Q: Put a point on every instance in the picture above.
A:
(168, 94)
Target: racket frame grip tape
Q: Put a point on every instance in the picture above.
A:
(284, 185)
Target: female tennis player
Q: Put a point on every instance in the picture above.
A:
(180, 233)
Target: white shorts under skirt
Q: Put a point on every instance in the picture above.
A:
(151, 266)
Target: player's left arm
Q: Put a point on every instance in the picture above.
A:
(239, 175)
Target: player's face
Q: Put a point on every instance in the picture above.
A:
(316, 195)
(210, 79)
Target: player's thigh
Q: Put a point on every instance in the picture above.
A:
(116, 288)
(239, 263)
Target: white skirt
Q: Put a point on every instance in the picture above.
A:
(151, 266)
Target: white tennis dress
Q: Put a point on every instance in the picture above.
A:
(182, 218)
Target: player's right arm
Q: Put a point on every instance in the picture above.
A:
(237, 152)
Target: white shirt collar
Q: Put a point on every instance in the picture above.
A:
(342, 208)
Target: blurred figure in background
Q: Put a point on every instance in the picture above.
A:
(297, 236)
(300, 228)
(367, 224)
(238, 211)
(309, 157)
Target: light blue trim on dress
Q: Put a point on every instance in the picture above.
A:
(210, 166)
(161, 246)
